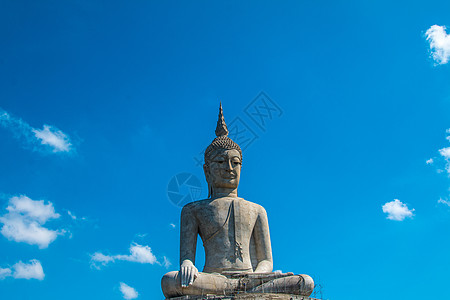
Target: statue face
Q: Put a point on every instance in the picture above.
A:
(224, 169)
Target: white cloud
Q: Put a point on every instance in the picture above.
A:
(25, 219)
(443, 201)
(439, 43)
(138, 253)
(173, 225)
(35, 209)
(53, 137)
(166, 263)
(71, 215)
(397, 210)
(98, 259)
(445, 152)
(5, 273)
(74, 217)
(128, 292)
(32, 270)
(20, 230)
(430, 161)
(49, 137)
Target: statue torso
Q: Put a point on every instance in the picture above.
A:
(225, 227)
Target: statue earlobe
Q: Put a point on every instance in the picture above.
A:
(207, 176)
(210, 191)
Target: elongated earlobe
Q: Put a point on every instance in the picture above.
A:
(210, 191)
(208, 179)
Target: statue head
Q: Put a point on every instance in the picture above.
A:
(223, 159)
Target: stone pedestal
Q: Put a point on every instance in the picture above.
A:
(244, 296)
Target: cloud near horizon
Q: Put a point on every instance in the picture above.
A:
(31, 270)
(49, 137)
(25, 219)
(397, 210)
(439, 44)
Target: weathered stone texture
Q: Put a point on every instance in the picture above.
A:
(246, 297)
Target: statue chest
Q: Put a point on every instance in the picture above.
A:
(227, 221)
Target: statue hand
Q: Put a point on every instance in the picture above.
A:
(188, 273)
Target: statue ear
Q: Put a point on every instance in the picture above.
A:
(207, 176)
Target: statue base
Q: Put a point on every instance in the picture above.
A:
(246, 296)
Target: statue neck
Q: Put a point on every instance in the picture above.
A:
(223, 192)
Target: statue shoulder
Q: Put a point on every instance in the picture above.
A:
(259, 208)
(195, 205)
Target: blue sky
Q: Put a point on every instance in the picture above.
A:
(102, 103)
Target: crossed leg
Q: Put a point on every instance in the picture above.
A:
(215, 283)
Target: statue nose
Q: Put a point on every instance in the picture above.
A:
(229, 166)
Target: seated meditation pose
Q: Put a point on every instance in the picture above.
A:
(235, 235)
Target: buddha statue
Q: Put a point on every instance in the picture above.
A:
(235, 235)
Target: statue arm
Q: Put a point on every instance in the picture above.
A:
(262, 243)
(188, 235)
(188, 244)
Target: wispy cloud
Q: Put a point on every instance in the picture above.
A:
(31, 270)
(5, 272)
(128, 292)
(442, 165)
(71, 215)
(445, 154)
(172, 225)
(397, 210)
(138, 253)
(25, 219)
(166, 263)
(439, 43)
(47, 138)
(53, 137)
(443, 201)
(98, 259)
(442, 162)
(141, 235)
(74, 217)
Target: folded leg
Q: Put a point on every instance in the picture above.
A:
(205, 283)
(295, 284)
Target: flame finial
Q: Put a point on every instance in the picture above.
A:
(222, 141)
(221, 129)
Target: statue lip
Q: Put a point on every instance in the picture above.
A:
(229, 176)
